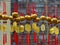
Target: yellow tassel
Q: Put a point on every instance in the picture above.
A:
(17, 29)
(11, 29)
(56, 30)
(37, 30)
(51, 30)
(35, 27)
(43, 27)
(3, 28)
(15, 26)
(21, 28)
(28, 28)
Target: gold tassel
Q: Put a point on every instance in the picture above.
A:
(56, 30)
(3, 28)
(28, 27)
(15, 26)
(11, 28)
(51, 30)
(35, 27)
(21, 28)
(43, 27)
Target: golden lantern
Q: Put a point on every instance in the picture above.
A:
(5, 17)
(54, 20)
(48, 19)
(33, 16)
(11, 17)
(15, 14)
(42, 18)
(37, 19)
(28, 17)
(22, 18)
(17, 19)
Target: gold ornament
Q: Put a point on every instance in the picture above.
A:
(56, 30)
(28, 28)
(3, 28)
(37, 19)
(22, 18)
(54, 20)
(15, 26)
(17, 19)
(33, 16)
(15, 14)
(17, 29)
(11, 28)
(52, 30)
(10, 17)
(43, 27)
(48, 19)
(5, 17)
(27, 17)
(35, 27)
(42, 17)
(21, 28)
(58, 21)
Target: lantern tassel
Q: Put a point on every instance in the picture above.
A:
(16, 38)
(28, 39)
